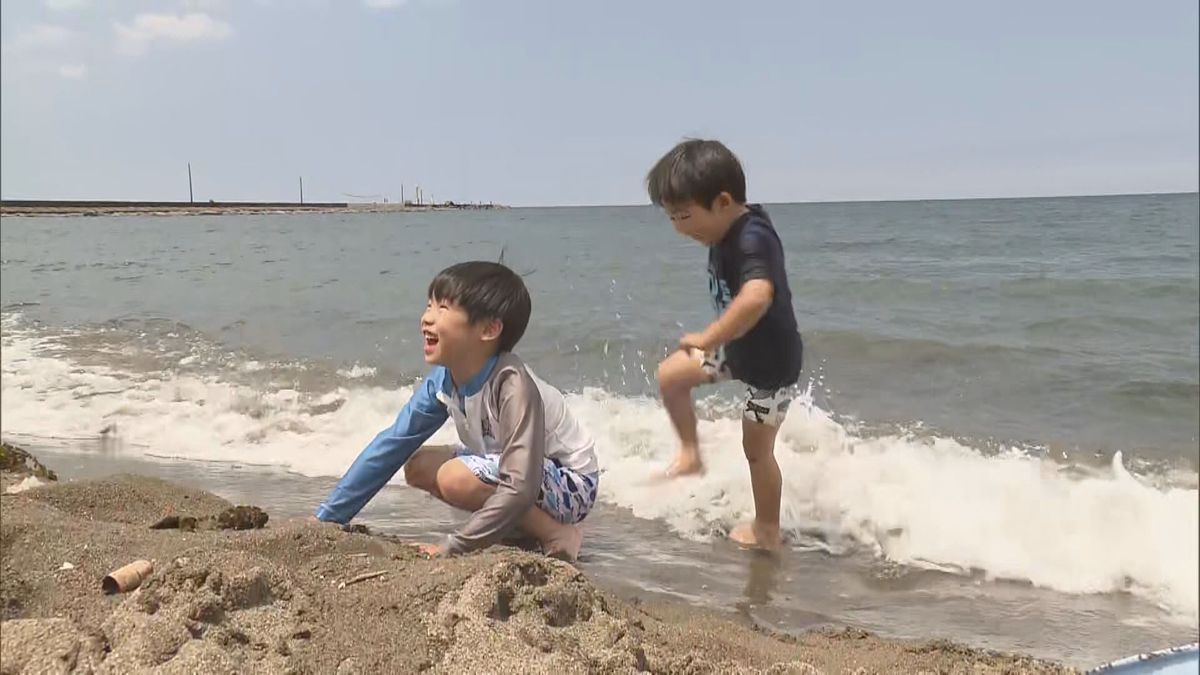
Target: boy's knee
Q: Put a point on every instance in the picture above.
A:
(672, 375)
(758, 442)
(663, 376)
(754, 455)
(422, 471)
(456, 483)
(416, 475)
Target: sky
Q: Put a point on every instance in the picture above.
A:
(558, 102)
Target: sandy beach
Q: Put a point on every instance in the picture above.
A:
(301, 597)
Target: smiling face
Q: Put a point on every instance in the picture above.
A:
(707, 226)
(450, 338)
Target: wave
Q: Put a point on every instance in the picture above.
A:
(914, 499)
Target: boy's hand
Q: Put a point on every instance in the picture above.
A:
(748, 307)
(696, 341)
(431, 550)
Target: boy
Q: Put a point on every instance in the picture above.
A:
(523, 459)
(701, 186)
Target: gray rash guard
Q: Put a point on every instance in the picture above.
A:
(505, 410)
(511, 400)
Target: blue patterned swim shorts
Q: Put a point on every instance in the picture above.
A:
(566, 494)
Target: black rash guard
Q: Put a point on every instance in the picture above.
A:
(769, 355)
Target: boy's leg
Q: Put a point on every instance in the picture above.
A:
(678, 375)
(758, 442)
(420, 471)
(764, 413)
(459, 486)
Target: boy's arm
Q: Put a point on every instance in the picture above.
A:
(421, 417)
(522, 431)
(761, 255)
(750, 305)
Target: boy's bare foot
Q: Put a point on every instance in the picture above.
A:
(685, 464)
(566, 543)
(756, 536)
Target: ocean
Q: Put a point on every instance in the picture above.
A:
(997, 442)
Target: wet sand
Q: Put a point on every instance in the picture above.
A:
(299, 597)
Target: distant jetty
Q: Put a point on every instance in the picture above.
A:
(29, 207)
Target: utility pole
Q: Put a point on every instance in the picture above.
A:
(191, 199)
(301, 189)
(402, 194)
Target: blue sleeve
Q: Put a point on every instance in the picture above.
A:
(421, 418)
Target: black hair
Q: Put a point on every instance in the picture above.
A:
(486, 291)
(696, 171)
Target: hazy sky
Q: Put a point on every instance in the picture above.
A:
(563, 102)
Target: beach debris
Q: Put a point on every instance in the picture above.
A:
(362, 577)
(234, 518)
(127, 578)
(185, 523)
(109, 429)
(16, 460)
(66, 566)
(242, 518)
(356, 528)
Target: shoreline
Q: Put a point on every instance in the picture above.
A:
(93, 208)
(273, 600)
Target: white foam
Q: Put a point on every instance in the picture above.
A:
(357, 372)
(29, 483)
(930, 502)
(191, 416)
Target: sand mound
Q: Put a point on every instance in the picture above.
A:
(130, 499)
(47, 646)
(538, 615)
(222, 611)
(302, 597)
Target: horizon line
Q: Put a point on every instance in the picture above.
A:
(1158, 193)
(634, 205)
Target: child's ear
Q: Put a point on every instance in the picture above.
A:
(722, 202)
(492, 329)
